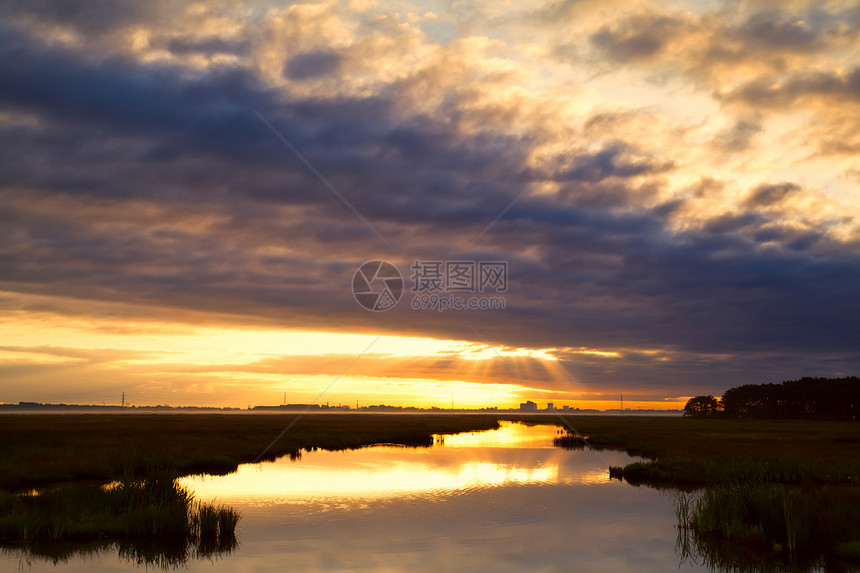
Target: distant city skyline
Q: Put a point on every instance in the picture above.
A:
(527, 407)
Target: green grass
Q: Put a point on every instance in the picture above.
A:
(800, 524)
(697, 452)
(151, 508)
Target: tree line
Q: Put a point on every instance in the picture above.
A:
(807, 398)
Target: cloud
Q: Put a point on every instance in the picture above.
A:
(740, 137)
(312, 64)
(776, 30)
(86, 17)
(148, 185)
(638, 37)
(800, 88)
(206, 46)
(611, 162)
(766, 194)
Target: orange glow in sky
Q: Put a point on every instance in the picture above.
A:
(180, 364)
(670, 187)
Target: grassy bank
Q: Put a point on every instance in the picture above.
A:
(50, 449)
(677, 437)
(689, 471)
(691, 452)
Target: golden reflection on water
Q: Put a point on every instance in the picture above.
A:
(514, 454)
(510, 435)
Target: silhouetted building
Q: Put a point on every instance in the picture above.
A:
(528, 406)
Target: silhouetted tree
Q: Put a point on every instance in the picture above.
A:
(817, 398)
(702, 407)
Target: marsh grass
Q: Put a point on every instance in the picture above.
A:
(693, 471)
(214, 528)
(152, 508)
(206, 521)
(228, 519)
(49, 449)
(683, 507)
(570, 442)
(718, 554)
(808, 524)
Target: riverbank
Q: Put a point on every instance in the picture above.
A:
(698, 452)
(86, 478)
(50, 449)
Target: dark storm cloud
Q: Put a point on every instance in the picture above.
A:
(145, 133)
(165, 190)
(612, 161)
(207, 46)
(86, 16)
(622, 280)
(313, 64)
(730, 223)
(697, 374)
(117, 93)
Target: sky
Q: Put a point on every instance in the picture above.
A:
(189, 193)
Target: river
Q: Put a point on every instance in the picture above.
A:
(501, 500)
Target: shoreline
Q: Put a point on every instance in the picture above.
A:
(57, 448)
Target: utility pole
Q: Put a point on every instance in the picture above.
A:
(622, 401)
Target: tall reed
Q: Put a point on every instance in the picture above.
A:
(811, 522)
(152, 507)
